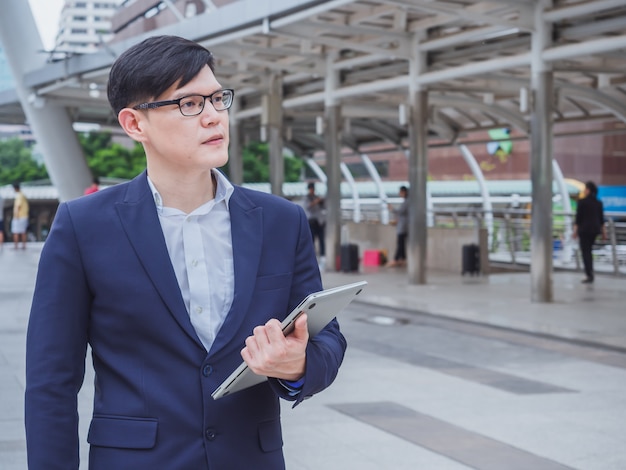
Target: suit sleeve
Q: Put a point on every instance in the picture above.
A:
(325, 351)
(55, 351)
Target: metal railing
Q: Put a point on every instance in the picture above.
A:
(510, 238)
(510, 235)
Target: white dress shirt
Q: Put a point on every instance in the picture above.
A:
(201, 250)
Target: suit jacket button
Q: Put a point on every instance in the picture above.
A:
(207, 370)
(210, 434)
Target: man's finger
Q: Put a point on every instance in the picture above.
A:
(274, 331)
(260, 335)
(301, 330)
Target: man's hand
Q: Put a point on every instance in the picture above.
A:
(269, 352)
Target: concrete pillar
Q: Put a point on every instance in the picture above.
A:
(418, 169)
(418, 172)
(541, 161)
(272, 120)
(332, 136)
(333, 185)
(235, 157)
(49, 122)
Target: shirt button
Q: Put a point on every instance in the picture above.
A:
(207, 370)
(194, 263)
(198, 309)
(210, 434)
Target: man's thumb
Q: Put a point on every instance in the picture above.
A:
(301, 330)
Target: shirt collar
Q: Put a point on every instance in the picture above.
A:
(223, 191)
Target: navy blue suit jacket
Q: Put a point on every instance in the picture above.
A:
(105, 279)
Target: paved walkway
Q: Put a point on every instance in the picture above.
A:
(516, 402)
(588, 313)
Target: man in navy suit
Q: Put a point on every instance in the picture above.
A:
(171, 279)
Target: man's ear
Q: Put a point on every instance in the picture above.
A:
(131, 121)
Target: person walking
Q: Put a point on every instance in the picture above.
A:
(1, 223)
(402, 225)
(316, 215)
(171, 279)
(588, 225)
(19, 223)
(93, 187)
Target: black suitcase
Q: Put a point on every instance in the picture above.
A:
(471, 259)
(349, 258)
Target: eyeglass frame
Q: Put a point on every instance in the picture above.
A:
(158, 104)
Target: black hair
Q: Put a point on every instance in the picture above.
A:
(591, 186)
(405, 189)
(16, 185)
(150, 67)
(310, 185)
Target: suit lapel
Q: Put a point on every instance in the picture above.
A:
(141, 224)
(246, 220)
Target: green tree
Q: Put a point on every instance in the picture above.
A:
(106, 158)
(17, 163)
(91, 142)
(256, 167)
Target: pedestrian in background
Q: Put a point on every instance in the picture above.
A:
(589, 224)
(402, 225)
(1, 222)
(316, 215)
(94, 187)
(19, 224)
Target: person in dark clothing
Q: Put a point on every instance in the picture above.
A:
(316, 214)
(402, 226)
(589, 224)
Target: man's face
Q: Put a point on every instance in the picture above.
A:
(187, 143)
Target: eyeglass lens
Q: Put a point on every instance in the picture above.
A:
(194, 104)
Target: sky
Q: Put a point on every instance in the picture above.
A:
(46, 13)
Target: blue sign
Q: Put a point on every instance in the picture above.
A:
(613, 198)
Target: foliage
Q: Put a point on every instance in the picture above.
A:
(106, 158)
(17, 163)
(113, 160)
(256, 167)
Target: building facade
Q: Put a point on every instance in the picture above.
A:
(85, 25)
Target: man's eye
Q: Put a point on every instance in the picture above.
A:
(189, 104)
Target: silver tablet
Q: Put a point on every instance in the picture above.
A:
(321, 307)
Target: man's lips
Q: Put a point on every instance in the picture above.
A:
(217, 139)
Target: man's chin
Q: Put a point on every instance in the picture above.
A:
(222, 162)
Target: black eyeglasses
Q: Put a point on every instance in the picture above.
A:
(193, 105)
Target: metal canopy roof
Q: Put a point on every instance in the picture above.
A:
(478, 70)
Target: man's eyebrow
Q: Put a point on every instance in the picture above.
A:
(178, 95)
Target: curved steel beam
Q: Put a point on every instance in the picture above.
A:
(380, 129)
(594, 96)
(515, 119)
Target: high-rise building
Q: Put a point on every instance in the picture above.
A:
(85, 25)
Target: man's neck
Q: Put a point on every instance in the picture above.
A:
(185, 194)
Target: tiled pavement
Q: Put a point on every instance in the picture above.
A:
(417, 391)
